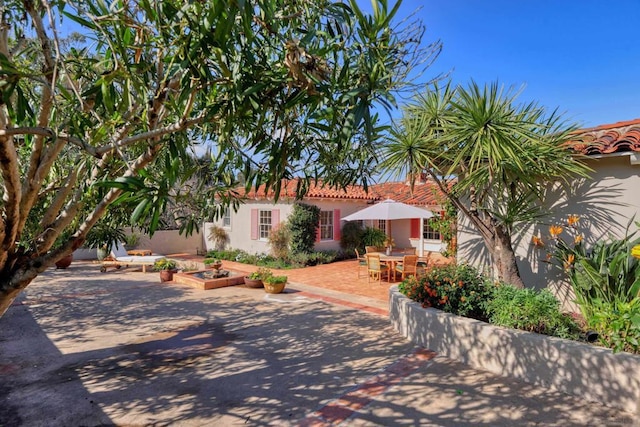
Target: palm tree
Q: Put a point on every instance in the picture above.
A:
(501, 154)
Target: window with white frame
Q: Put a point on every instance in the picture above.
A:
(264, 224)
(381, 224)
(226, 218)
(326, 225)
(428, 232)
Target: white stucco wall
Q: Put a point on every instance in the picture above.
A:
(168, 242)
(240, 230)
(605, 203)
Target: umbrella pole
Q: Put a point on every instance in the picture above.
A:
(388, 228)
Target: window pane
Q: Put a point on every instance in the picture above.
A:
(265, 224)
(382, 225)
(428, 232)
(226, 218)
(326, 225)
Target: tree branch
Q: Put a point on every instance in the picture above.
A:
(153, 134)
(10, 170)
(58, 201)
(38, 168)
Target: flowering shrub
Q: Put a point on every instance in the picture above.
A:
(605, 279)
(458, 289)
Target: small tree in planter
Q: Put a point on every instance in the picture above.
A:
(167, 267)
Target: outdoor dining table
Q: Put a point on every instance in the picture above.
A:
(391, 261)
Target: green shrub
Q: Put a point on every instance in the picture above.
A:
(617, 324)
(530, 310)
(279, 239)
(303, 223)
(351, 237)
(228, 255)
(315, 258)
(458, 289)
(373, 237)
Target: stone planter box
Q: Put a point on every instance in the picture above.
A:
(191, 278)
(593, 373)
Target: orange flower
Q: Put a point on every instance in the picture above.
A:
(569, 262)
(578, 239)
(537, 241)
(555, 230)
(572, 220)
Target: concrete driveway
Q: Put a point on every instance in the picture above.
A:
(83, 348)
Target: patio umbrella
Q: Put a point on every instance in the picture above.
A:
(390, 210)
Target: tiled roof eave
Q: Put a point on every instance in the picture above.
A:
(607, 139)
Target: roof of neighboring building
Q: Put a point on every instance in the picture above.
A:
(425, 193)
(319, 190)
(607, 139)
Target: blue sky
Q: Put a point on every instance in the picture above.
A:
(582, 57)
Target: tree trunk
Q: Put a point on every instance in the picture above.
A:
(504, 259)
(9, 292)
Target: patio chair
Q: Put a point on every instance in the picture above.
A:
(408, 266)
(370, 249)
(375, 268)
(362, 262)
(423, 262)
(119, 257)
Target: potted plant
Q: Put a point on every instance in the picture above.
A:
(256, 279)
(275, 284)
(103, 237)
(66, 260)
(167, 267)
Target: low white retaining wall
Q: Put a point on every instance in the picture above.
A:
(593, 373)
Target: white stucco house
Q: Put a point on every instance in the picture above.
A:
(248, 228)
(605, 203)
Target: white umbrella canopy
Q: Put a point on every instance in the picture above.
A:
(389, 210)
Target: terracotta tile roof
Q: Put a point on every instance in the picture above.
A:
(424, 193)
(316, 191)
(607, 139)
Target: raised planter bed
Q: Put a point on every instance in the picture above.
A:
(593, 373)
(198, 279)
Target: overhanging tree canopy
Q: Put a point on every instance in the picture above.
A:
(278, 88)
